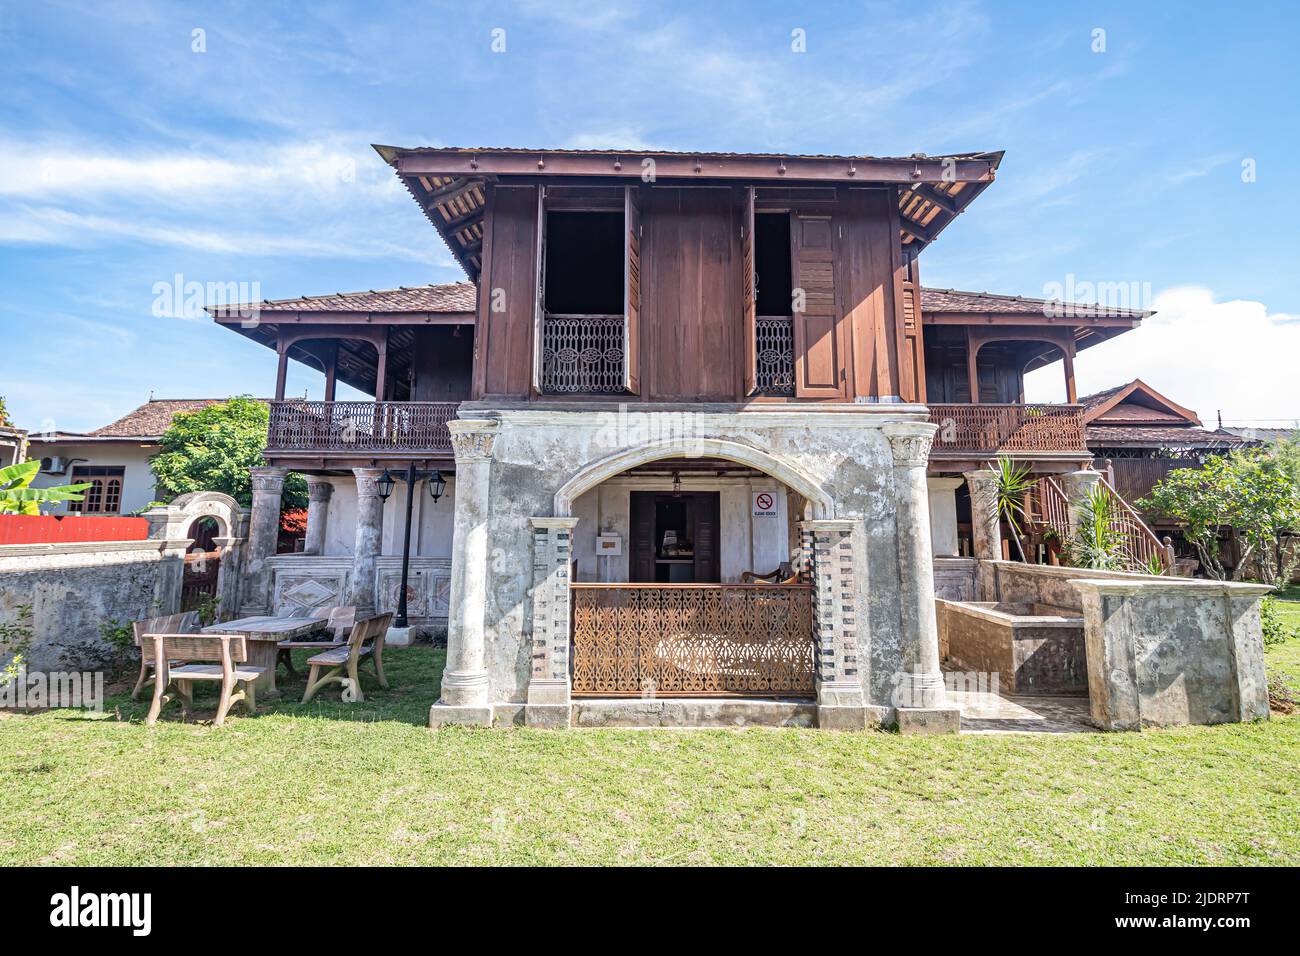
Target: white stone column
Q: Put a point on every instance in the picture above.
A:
(319, 491)
(549, 687)
(986, 529)
(943, 516)
(263, 534)
(465, 688)
(229, 575)
(920, 686)
(369, 540)
(1077, 485)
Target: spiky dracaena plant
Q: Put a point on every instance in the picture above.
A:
(1013, 486)
(1096, 543)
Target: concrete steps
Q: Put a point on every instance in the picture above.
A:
(694, 712)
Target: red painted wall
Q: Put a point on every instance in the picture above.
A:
(49, 529)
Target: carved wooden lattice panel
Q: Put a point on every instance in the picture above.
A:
(690, 640)
(990, 429)
(301, 425)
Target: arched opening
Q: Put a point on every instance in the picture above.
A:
(199, 584)
(688, 573)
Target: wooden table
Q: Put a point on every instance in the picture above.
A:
(263, 634)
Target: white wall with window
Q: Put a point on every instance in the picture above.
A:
(120, 470)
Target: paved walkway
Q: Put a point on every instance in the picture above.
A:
(985, 713)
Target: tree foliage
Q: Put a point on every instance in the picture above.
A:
(213, 448)
(1255, 491)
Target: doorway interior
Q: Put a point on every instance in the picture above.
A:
(675, 537)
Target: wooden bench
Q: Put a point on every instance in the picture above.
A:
(208, 657)
(187, 623)
(339, 621)
(340, 664)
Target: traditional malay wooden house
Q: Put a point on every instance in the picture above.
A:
(705, 434)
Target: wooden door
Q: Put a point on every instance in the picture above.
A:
(641, 555)
(631, 290)
(749, 293)
(707, 514)
(819, 368)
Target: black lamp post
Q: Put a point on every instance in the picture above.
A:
(436, 487)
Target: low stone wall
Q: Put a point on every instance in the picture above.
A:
(954, 579)
(1161, 651)
(74, 587)
(1032, 649)
(304, 582)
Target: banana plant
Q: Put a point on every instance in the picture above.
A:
(17, 497)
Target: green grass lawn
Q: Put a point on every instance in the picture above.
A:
(368, 783)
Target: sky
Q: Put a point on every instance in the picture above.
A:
(146, 146)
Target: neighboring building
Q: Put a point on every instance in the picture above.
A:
(13, 445)
(648, 389)
(114, 459)
(1138, 436)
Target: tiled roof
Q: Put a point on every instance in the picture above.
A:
(152, 418)
(954, 300)
(1100, 398)
(451, 297)
(1159, 435)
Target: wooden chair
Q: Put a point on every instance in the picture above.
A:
(782, 575)
(340, 664)
(209, 657)
(187, 623)
(339, 621)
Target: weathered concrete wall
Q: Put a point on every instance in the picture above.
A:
(302, 582)
(839, 457)
(1171, 651)
(73, 588)
(1017, 583)
(954, 579)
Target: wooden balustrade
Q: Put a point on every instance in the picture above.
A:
(403, 427)
(995, 429)
(692, 640)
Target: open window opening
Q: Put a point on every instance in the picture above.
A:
(773, 287)
(589, 279)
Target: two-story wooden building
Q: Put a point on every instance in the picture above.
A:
(669, 374)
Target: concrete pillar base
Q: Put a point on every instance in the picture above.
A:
(920, 691)
(398, 637)
(841, 717)
(465, 689)
(548, 716)
(919, 721)
(452, 715)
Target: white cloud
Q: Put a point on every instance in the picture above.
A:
(1210, 356)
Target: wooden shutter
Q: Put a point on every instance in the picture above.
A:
(631, 290)
(707, 508)
(818, 352)
(539, 290)
(641, 564)
(749, 325)
(913, 359)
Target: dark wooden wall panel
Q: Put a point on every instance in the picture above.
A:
(866, 263)
(443, 363)
(691, 295)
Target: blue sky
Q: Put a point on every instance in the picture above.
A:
(127, 157)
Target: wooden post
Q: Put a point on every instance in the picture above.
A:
(972, 369)
(331, 370)
(1071, 393)
(282, 369)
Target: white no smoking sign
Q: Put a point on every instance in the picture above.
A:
(764, 504)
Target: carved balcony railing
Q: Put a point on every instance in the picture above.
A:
(692, 640)
(583, 355)
(361, 427)
(979, 430)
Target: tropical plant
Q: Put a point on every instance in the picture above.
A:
(213, 448)
(1274, 626)
(1256, 492)
(16, 637)
(17, 497)
(4, 411)
(1013, 484)
(1096, 543)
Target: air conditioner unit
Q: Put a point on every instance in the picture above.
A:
(54, 466)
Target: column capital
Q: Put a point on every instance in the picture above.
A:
(562, 523)
(367, 481)
(267, 480)
(472, 438)
(910, 443)
(319, 488)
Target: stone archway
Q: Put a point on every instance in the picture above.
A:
(594, 473)
(173, 522)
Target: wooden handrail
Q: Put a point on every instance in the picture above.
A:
(990, 429)
(302, 425)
